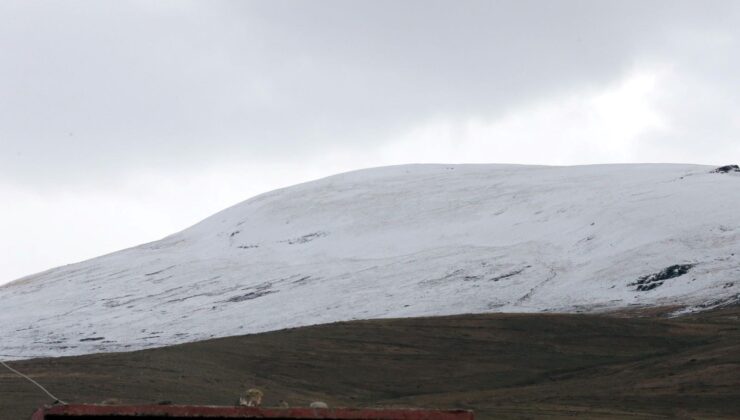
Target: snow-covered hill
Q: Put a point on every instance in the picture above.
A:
(397, 242)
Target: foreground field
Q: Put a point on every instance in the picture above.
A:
(501, 365)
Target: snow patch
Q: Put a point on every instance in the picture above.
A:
(414, 240)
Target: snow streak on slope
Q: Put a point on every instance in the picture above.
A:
(397, 242)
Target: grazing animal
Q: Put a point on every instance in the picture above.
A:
(252, 398)
(319, 404)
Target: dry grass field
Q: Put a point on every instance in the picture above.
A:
(500, 365)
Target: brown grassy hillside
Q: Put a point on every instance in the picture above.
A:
(501, 365)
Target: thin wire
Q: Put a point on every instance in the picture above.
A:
(33, 382)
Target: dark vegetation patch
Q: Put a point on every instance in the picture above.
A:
(537, 366)
(494, 278)
(651, 281)
(92, 339)
(248, 246)
(255, 292)
(306, 238)
(250, 295)
(509, 274)
(457, 273)
(302, 280)
(725, 169)
(733, 300)
(160, 271)
(461, 274)
(183, 299)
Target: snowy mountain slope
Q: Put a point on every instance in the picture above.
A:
(395, 242)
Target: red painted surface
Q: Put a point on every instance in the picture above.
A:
(169, 411)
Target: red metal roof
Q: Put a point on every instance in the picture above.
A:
(174, 412)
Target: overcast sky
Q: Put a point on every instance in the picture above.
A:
(124, 121)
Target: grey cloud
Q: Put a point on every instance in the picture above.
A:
(100, 87)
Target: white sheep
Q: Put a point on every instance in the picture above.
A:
(252, 398)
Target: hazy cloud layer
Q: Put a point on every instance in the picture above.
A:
(139, 102)
(110, 86)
